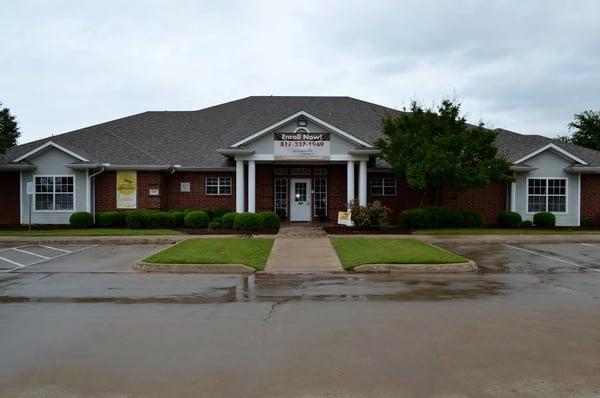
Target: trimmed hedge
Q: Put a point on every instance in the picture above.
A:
(81, 219)
(509, 219)
(270, 220)
(247, 222)
(544, 220)
(227, 220)
(214, 225)
(196, 219)
(149, 219)
(440, 217)
(526, 224)
(179, 217)
(109, 219)
(219, 212)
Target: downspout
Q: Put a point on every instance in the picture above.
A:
(92, 198)
(165, 199)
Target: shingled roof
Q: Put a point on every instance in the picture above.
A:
(191, 138)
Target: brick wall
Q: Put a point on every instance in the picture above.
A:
(406, 198)
(487, 201)
(196, 198)
(590, 198)
(9, 198)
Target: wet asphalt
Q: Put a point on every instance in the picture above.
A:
(84, 325)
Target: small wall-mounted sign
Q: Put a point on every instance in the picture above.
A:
(154, 192)
(185, 187)
(30, 188)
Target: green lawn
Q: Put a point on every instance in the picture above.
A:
(252, 252)
(88, 232)
(504, 231)
(358, 251)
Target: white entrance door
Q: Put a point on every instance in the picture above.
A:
(300, 206)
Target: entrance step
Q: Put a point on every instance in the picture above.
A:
(302, 249)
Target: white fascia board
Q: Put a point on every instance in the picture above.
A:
(554, 147)
(46, 145)
(294, 116)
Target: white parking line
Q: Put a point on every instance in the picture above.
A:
(21, 266)
(11, 261)
(551, 258)
(55, 248)
(31, 253)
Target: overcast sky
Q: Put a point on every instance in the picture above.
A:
(524, 66)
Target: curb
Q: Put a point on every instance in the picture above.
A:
(468, 266)
(143, 266)
(107, 240)
(488, 239)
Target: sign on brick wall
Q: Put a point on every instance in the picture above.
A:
(126, 189)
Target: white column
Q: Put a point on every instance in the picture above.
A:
(362, 183)
(350, 182)
(251, 186)
(239, 186)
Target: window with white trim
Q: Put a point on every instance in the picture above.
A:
(320, 192)
(218, 185)
(54, 193)
(383, 186)
(547, 194)
(281, 196)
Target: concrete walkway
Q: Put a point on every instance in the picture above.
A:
(302, 249)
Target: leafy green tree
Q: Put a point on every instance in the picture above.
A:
(586, 129)
(431, 149)
(9, 131)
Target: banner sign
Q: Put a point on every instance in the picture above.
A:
(301, 144)
(126, 189)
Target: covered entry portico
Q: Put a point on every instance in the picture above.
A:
(300, 191)
(312, 166)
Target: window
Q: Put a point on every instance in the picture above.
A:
(54, 193)
(320, 201)
(383, 186)
(300, 171)
(547, 194)
(281, 198)
(218, 185)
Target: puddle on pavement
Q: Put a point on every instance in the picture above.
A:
(268, 288)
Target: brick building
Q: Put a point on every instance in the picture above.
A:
(303, 157)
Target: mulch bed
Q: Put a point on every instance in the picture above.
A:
(206, 231)
(344, 230)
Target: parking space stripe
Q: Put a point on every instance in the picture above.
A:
(11, 261)
(21, 266)
(32, 254)
(551, 258)
(55, 248)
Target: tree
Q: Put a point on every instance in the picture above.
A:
(586, 128)
(9, 131)
(431, 149)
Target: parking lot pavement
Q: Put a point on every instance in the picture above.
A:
(525, 325)
(73, 258)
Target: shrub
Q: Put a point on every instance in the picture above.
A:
(179, 217)
(544, 220)
(214, 225)
(587, 223)
(137, 219)
(440, 217)
(509, 219)
(270, 220)
(219, 212)
(196, 219)
(247, 222)
(159, 219)
(227, 220)
(526, 224)
(81, 219)
(109, 219)
(371, 215)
